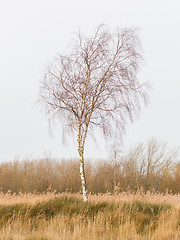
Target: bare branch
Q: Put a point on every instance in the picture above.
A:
(96, 84)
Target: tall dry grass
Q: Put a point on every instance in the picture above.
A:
(63, 216)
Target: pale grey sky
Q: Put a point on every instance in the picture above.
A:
(32, 32)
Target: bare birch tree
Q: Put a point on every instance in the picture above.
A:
(95, 85)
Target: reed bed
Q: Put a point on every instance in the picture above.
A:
(51, 216)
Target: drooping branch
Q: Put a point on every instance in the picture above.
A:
(97, 82)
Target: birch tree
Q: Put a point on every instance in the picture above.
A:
(95, 86)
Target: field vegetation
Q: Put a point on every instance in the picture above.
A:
(136, 196)
(65, 216)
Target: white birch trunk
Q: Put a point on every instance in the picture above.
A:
(83, 180)
(81, 166)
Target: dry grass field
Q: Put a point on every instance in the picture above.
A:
(54, 216)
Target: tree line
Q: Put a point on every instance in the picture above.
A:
(150, 166)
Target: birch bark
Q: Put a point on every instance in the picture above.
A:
(83, 180)
(81, 164)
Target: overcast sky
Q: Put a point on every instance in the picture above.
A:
(32, 32)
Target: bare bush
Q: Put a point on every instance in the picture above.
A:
(150, 166)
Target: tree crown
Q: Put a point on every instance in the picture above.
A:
(96, 84)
